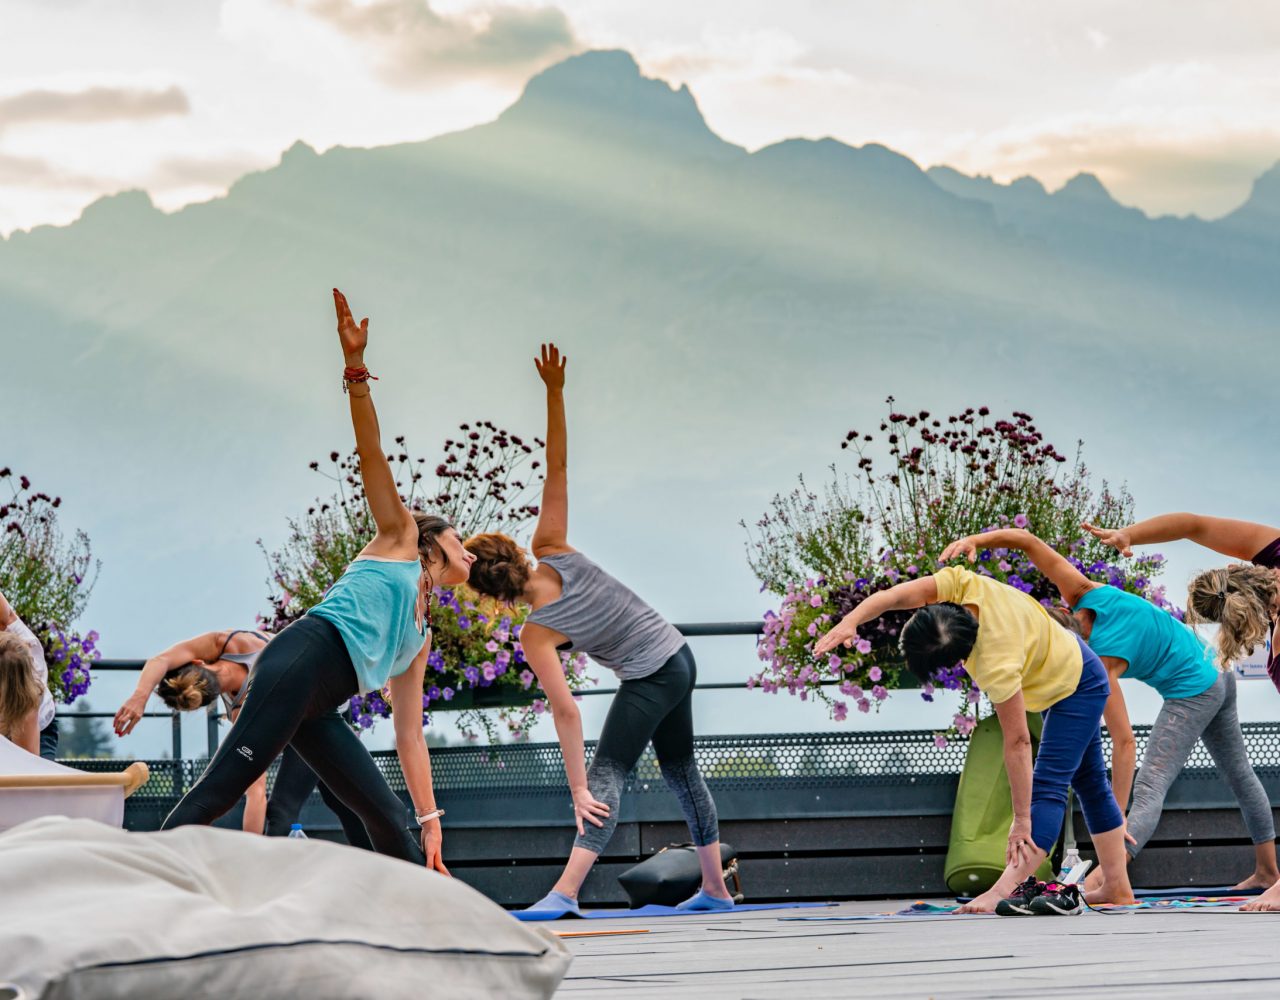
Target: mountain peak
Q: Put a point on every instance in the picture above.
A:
(1260, 215)
(1085, 187)
(604, 91)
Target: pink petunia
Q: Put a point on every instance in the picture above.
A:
(875, 673)
(841, 711)
(863, 646)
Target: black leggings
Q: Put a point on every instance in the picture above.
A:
(658, 708)
(294, 690)
(289, 793)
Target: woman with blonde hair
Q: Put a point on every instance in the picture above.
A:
(27, 713)
(1243, 599)
(188, 676)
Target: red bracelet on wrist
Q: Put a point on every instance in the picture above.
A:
(354, 376)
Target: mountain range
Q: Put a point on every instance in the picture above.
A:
(728, 316)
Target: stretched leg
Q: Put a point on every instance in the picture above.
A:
(1106, 825)
(281, 693)
(1173, 736)
(342, 762)
(673, 744)
(637, 710)
(1225, 743)
(290, 791)
(352, 826)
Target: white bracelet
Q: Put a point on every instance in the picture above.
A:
(428, 817)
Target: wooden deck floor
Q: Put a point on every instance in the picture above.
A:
(1169, 955)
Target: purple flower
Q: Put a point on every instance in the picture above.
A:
(1020, 521)
(841, 711)
(875, 673)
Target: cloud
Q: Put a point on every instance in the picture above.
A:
(33, 172)
(214, 172)
(415, 45)
(95, 104)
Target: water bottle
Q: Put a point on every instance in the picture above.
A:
(295, 832)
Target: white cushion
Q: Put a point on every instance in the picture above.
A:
(95, 912)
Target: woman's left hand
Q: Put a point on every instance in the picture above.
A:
(432, 842)
(1021, 846)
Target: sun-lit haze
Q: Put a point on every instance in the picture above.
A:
(1175, 106)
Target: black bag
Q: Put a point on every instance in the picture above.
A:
(673, 875)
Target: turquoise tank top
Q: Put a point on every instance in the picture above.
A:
(1160, 650)
(373, 605)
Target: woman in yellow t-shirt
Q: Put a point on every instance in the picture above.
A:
(1023, 661)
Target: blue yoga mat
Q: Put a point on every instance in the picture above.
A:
(653, 910)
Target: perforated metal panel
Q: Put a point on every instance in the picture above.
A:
(798, 760)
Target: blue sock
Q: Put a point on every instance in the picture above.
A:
(554, 902)
(700, 901)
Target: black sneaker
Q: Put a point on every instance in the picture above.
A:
(1019, 903)
(1058, 900)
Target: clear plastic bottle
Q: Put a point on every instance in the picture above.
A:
(295, 832)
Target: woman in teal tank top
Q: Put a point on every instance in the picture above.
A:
(371, 629)
(1136, 639)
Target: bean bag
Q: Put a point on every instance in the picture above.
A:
(94, 913)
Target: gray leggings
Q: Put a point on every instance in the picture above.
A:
(1210, 717)
(658, 708)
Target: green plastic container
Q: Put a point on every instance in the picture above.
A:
(984, 811)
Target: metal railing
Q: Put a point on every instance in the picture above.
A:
(214, 714)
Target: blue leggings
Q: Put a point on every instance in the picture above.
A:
(1071, 755)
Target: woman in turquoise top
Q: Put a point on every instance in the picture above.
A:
(1136, 639)
(371, 629)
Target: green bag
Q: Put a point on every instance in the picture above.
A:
(984, 810)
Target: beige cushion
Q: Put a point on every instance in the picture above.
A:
(95, 912)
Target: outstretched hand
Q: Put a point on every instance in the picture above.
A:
(551, 366)
(842, 633)
(1117, 538)
(354, 337)
(962, 547)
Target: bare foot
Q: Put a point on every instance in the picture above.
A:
(1268, 902)
(986, 903)
(1259, 880)
(1106, 894)
(1093, 880)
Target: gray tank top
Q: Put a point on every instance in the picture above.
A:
(607, 621)
(247, 659)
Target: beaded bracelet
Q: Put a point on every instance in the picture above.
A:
(354, 376)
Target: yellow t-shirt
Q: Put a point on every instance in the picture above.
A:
(1018, 646)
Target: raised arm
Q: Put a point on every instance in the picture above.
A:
(552, 531)
(1071, 583)
(397, 535)
(1237, 539)
(904, 597)
(544, 660)
(7, 615)
(415, 759)
(204, 647)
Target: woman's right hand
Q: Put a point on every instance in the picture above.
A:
(967, 547)
(551, 366)
(130, 714)
(354, 337)
(1117, 538)
(845, 632)
(586, 806)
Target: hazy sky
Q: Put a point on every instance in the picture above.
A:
(1175, 105)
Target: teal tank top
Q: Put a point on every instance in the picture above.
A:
(1161, 651)
(373, 605)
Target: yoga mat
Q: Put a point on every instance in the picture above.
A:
(1186, 892)
(1193, 891)
(653, 910)
(1173, 905)
(917, 911)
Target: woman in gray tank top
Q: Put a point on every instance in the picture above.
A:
(577, 605)
(190, 675)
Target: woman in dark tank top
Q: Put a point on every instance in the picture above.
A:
(577, 605)
(1243, 598)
